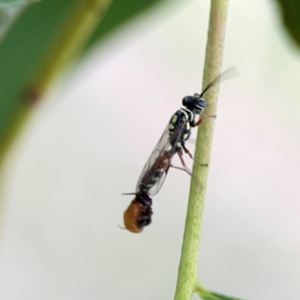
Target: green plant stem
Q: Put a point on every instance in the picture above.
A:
(201, 291)
(187, 274)
(70, 40)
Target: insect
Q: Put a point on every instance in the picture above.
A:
(138, 214)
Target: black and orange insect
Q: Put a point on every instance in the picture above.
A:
(138, 214)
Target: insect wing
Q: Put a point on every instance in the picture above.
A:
(145, 182)
(157, 166)
(174, 139)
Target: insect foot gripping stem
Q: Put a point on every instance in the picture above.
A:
(187, 170)
(187, 151)
(204, 117)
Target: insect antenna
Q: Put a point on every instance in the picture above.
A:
(227, 74)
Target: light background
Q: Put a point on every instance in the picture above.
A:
(89, 142)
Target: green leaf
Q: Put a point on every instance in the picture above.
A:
(26, 44)
(209, 295)
(290, 12)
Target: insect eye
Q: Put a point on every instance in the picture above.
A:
(203, 103)
(186, 101)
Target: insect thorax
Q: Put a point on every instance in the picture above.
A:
(181, 116)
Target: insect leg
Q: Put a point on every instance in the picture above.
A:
(202, 118)
(186, 169)
(179, 152)
(126, 194)
(187, 151)
(182, 169)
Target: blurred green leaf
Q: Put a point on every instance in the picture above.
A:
(7, 3)
(27, 41)
(8, 13)
(120, 12)
(290, 11)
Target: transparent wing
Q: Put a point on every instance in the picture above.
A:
(158, 164)
(174, 140)
(227, 74)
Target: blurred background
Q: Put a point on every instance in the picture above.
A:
(88, 141)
